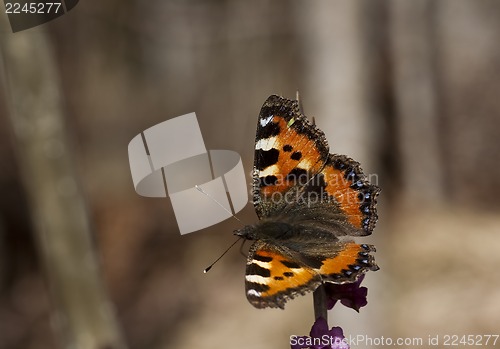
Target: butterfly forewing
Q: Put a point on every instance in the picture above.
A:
(289, 151)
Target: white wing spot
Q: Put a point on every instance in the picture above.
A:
(265, 265)
(253, 293)
(269, 171)
(265, 121)
(256, 279)
(265, 143)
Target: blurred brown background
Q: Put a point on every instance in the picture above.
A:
(408, 88)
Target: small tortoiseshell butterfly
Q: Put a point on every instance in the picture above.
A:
(310, 204)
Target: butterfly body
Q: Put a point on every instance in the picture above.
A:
(310, 204)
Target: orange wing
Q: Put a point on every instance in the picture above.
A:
(272, 278)
(357, 198)
(289, 150)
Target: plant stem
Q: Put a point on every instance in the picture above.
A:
(319, 300)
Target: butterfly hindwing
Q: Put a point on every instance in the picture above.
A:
(343, 181)
(273, 277)
(348, 264)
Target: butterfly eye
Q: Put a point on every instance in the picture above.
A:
(237, 232)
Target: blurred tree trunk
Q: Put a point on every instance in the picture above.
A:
(334, 40)
(82, 315)
(413, 55)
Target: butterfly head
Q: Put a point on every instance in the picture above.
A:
(248, 232)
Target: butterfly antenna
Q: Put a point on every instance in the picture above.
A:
(241, 248)
(301, 107)
(207, 269)
(297, 97)
(218, 203)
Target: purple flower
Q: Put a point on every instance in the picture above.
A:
(320, 338)
(351, 295)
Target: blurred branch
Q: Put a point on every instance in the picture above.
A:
(82, 315)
